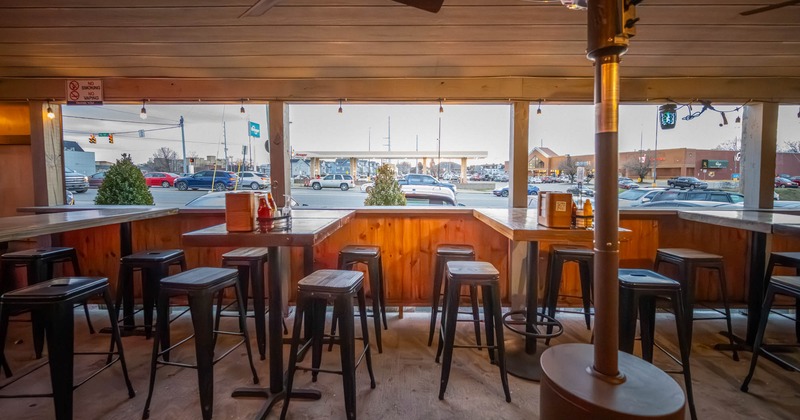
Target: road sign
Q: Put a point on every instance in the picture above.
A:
(255, 130)
(84, 92)
(102, 134)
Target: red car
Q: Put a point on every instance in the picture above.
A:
(162, 179)
(784, 183)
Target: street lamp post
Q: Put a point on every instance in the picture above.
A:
(655, 158)
(439, 157)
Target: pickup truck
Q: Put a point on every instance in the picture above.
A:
(689, 182)
(75, 181)
(416, 179)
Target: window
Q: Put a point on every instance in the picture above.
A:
(328, 178)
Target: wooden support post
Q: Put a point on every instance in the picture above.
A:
(280, 167)
(518, 171)
(47, 155)
(463, 177)
(353, 168)
(759, 143)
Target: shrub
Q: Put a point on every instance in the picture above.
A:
(386, 191)
(124, 185)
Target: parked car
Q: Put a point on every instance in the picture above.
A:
(627, 184)
(216, 180)
(637, 196)
(160, 179)
(534, 180)
(689, 182)
(795, 179)
(419, 179)
(216, 200)
(343, 182)
(688, 203)
(253, 180)
(784, 183)
(75, 181)
(96, 180)
(586, 192)
(726, 197)
(431, 198)
(503, 192)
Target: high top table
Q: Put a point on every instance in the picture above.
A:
(521, 225)
(759, 225)
(309, 228)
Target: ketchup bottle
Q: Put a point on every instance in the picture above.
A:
(263, 207)
(271, 203)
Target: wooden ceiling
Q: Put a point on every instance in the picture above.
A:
(369, 39)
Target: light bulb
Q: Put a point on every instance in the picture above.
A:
(738, 119)
(242, 111)
(50, 113)
(340, 106)
(539, 108)
(441, 108)
(143, 112)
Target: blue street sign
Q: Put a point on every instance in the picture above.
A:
(255, 130)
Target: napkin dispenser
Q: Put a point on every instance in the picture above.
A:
(240, 211)
(555, 209)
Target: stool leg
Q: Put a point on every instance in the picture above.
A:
(438, 275)
(116, 340)
(586, 291)
(259, 307)
(362, 309)
(125, 296)
(647, 324)
(344, 306)
(240, 300)
(476, 314)
(553, 284)
(3, 334)
(494, 297)
(299, 312)
(318, 333)
(163, 300)
(723, 288)
(685, 343)
(59, 330)
(375, 286)
(37, 272)
(76, 270)
(488, 322)
(687, 288)
(382, 295)
(163, 331)
(450, 315)
(627, 320)
(218, 316)
(149, 292)
(762, 326)
(200, 305)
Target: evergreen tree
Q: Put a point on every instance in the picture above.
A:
(386, 191)
(124, 185)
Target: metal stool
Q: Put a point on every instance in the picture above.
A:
(688, 261)
(638, 290)
(787, 259)
(445, 253)
(472, 273)
(200, 285)
(39, 264)
(584, 257)
(313, 294)
(349, 256)
(778, 285)
(250, 263)
(54, 301)
(154, 266)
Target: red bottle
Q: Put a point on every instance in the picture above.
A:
(264, 213)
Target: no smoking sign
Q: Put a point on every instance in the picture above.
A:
(84, 92)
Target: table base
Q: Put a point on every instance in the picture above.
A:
(254, 392)
(524, 365)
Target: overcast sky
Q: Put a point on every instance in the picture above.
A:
(562, 128)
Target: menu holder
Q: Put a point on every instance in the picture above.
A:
(274, 224)
(555, 209)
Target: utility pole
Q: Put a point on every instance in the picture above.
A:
(655, 158)
(225, 138)
(250, 144)
(439, 158)
(389, 139)
(183, 143)
(416, 161)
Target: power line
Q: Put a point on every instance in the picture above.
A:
(122, 121)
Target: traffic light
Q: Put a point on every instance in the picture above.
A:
(92, 138)
(111, 139)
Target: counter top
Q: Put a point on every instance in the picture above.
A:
(752, 220)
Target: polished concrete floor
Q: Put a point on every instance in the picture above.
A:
(407, 378)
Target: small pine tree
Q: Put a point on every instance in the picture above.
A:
(124, 185)
(386, 191)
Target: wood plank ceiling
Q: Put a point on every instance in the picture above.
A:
(368, 39)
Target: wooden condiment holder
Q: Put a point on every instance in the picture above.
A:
(240, 211)
(555, 209)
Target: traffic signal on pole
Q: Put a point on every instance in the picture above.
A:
(92, 139)
(111, 139)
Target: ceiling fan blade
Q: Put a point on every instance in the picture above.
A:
(770, 7)
(258, 9)
(432, 6)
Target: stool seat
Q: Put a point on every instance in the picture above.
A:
(200, 278)
(332, 281)
(689, 254)
(155, 256)
(246, 254)
(60, 289)
(575, 252)
(472, 270)
(50, 252)
(362, 250)
(794, 256)
(455, 250)
(787, 282)
(641, 279)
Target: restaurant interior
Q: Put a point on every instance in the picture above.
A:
(107, 312)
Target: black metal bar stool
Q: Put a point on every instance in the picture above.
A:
(250, 263)
(39, 264)
(313, 294)
(688, 261)
(787, 259)
(638, 290)
(349, 256)
(153, 266)
(445, 253)
(200, 285)
(54, 301)
(778, 285)
(484, 275)
(560, 255)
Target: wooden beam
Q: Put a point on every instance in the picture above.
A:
(47, 155)
(518, 161)
(759, 143)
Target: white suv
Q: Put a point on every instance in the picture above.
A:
(343, 182)
(253, 180)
